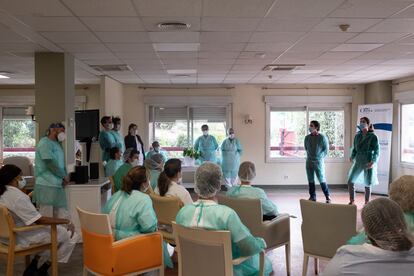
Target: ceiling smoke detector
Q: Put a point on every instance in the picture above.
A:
(112, 68)
(174, 26)
(344, 27)
(282, 67)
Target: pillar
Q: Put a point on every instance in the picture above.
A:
(378, 92)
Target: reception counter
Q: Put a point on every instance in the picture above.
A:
(91, 196)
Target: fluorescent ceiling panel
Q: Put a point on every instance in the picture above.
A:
(176, 47)
(182, 71)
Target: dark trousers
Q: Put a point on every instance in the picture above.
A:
(324, 188)
(351, 189)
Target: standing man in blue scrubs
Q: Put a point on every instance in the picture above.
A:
(207, 146)
(316, 146)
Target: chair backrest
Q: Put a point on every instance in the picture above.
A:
(166, 208)
(111, 179)
(195, 246)
(97, 240)
(326, 227)
(22, 162)
(6, 222)
(248, 209)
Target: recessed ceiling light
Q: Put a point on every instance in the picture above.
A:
(182, 71)
(174, 26)
(328, 76)
(4, 77)
(305, 71)
(176, 47)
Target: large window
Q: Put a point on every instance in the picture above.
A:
(178, 127)
(18, 133)
(407, 133)
(289, 126)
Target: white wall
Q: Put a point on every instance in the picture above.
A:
(401, 85)
(248, 99)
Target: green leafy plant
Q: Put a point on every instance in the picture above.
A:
(191, 152)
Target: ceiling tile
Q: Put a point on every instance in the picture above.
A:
(312, 47)
(70, 37)
(35, 8)
(58, 24)
(376, 37)
(357, 25)
(221, 54)
(276, 37)
(268, 47)
(130, 47)
(340, 55)
(113, 24)
(225, 47)
(369, 8)
(229, 24)
(174, 37)
(178, 55)
(168, 8)
(300, 8)
(236, 8)
(176, 47)
(123, 37)
(327, 37)
(287, 25)
(394, 25)
(218, 61)
(353, 47)
(84, 47)
(226, 37)
(101, 7)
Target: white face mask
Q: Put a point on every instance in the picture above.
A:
(111, 126)
(205, 132)
(135, 163)
(232, 136)
(61, 136)
(22, 183)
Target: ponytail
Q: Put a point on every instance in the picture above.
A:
(163, 183)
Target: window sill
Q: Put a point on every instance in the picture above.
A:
(303, 160)
(407, 165)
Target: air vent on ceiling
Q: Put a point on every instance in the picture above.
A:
(281, 67)
(174, 26)
(112, 68)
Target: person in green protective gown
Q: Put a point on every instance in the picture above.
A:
(154, 166)
(156, 149)
(114, 162)
(50, 174)
(247, 173)
(207, 146)
(231, 150)
(130, 209)
(119, 140)
(106, 138)
(364, 155)
(131, 160)
(206, 213)
(316, 147)
(402, 192)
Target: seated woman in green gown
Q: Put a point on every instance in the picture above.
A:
(206, 213)
(115, 161)
(131, 160)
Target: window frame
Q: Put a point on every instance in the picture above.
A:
(405, 164)
(311, 103)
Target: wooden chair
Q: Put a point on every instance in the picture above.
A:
(275, 232)
(205, 252)
(166, 209)
(104, 256)
(325, 228)
(111, 179)
(9, 231)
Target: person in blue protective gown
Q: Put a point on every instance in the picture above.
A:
(206, 213)
(231, 150)
(119, 140)
(156, 149)
(115, 161)
(130, 209)
(402, 192)
(364, 155)
(106, 138)
(154, 166)
(50, 174)
(247, 173)
(316, 147)
(207, 146)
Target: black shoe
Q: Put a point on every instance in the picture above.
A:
(312, 199)
(351, 202)
(31, 269)
(328, 200)
(42, 271)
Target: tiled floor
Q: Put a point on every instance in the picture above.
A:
(287, 201)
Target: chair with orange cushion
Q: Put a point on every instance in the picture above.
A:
(104, 256)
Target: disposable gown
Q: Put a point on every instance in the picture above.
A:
(112, 166)
(135, 215)
(231, 150)
(316, 147)
(366, 149)
(207, 146)
(119, 175)
(361, 238)
(153, 152)
(106, 142)
(49, 173)
(154, 174)
(119, 140)
(247, 191)
(209, 215)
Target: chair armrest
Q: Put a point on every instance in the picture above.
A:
(277, 231)
(28, 228)
(137, 253)
(261, 261)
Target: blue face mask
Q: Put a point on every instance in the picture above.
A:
(362, 126)
(311, 129)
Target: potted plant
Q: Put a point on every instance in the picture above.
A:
(190, 155)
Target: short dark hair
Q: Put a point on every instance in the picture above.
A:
(7, 173)
(316, 124)
(204, 126)
(155, 142)
(116, 120)
(113, 151)
(133, 152)
(104, 119)
(131, 126)
(134, 180)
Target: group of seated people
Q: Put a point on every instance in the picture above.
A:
(384, 246)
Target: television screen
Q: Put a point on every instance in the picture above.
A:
(87, 124)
